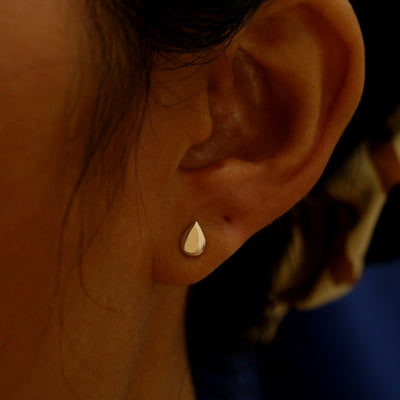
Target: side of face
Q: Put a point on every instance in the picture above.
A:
(36, 71)
(232, 144)
(43, 299)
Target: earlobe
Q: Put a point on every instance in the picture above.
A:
(279, 99)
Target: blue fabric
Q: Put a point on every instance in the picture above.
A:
(236, 376)
(349, 349)
(346, 350)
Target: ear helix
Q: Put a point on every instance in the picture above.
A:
(193, 241)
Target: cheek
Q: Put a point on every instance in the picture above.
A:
(37, 71)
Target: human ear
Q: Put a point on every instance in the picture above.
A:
(279, 98)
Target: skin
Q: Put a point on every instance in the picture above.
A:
(111, 326)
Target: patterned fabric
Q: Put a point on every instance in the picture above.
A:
(333, 228)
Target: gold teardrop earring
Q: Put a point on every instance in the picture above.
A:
(193, 241)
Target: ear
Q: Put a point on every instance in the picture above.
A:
(279, 99)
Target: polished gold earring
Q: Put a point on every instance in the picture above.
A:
(193, 241)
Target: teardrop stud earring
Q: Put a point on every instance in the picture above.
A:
(193, 241)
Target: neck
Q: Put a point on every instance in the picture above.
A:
(137, 353)
(163, 369)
